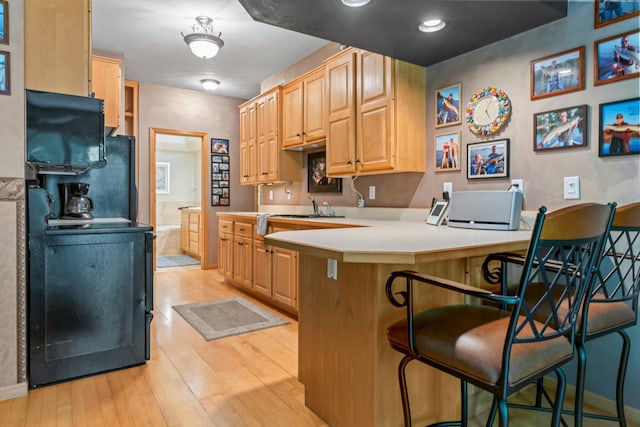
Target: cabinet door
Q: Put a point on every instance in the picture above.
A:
(375, 142)
(57, 45)
(184, 232)
(105, 83)
(262, 158)
(285, 276)
(341, 130)
(314, 109)
(248, 144)
(194, 234)
(243, 261)
(292, 114)
(273, 136)
(225, 255)
(262, 267)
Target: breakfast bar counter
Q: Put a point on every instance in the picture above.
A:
(348, 368)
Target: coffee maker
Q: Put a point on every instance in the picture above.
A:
(75, 203)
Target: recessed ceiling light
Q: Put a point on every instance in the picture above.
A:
(432, 25)
(355, 3)
(210, 84)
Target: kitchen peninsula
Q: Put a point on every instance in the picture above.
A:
(345, 362)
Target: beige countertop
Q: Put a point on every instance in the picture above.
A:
(392, 241)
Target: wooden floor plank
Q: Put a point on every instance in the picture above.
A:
(248, 380)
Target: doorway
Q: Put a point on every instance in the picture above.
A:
(177, 208)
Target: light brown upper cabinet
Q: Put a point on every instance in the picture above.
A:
(262, 158)
(106, 84)
(248, 168)
(303, 110)
(376, 110)
(57, 45)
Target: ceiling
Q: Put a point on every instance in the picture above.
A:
(154, 52)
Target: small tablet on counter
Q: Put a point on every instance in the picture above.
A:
(438, 211)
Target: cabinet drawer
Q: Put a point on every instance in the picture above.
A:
(194, 237)
(225, 226)
(194, 218)
(243, 229)
(194, 228)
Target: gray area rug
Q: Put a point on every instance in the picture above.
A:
(175, 261)
(225, 317)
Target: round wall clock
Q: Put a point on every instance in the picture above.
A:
(488, 110)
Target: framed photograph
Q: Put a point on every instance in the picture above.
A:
(163, 175)
(318, 181)
(562, 128)
(447, 149)
(609, 12)
(448, 106)
(617, 58)
(5, 67)
(488, 159)
(558, 74)
(619, 128)
(219, 145)
(216, 159)
(4, 22)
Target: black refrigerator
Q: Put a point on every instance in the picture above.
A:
(90, 283)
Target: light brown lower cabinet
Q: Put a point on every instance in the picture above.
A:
(268, 272)
(275, 273)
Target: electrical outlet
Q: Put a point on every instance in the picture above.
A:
(571, 187)
(520, 184)
(372, 192)
(270, 194)
(448, 187)
(332, 269)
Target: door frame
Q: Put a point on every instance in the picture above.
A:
(204, 150)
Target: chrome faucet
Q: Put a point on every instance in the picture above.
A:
(328, 210)
(315, 206)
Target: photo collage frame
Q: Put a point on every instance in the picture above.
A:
(220, 172)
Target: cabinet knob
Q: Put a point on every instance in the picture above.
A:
(349, 162)
(298, 135)
(358, 161)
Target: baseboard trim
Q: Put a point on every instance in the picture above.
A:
(597, 401)
(13, 391)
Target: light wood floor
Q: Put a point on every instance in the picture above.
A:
(245, 380)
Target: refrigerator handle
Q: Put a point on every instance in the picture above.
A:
(148, 270)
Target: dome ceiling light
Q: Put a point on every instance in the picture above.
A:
(355, 3)
(432, 25)
(210, 84)
(203, 42)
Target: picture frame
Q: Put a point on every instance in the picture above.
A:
(485, 161)
(619, 128)
(317, 179)
(609, 12)
(219, 145)
(563, 128)
(5, 73)
(163, 177)
(557, 74)
(447, 152)
(613, 61)
(4, 22)
(447, 102)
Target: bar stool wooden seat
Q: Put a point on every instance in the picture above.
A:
(502, 349)
(611, 306)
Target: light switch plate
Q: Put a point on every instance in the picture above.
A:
(372, 192)
(571, 187)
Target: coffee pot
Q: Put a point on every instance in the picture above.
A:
(75, 203)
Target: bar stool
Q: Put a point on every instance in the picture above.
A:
(503, 350)
(611, 307)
